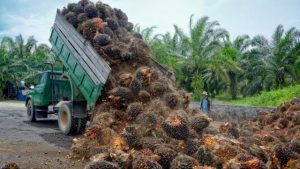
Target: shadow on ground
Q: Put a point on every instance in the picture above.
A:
(44, 124)
(58, 139)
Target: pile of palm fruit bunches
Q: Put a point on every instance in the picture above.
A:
(143, 122)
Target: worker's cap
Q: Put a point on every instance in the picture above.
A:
(205, 93)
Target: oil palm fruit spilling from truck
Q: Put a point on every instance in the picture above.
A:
(141, 120)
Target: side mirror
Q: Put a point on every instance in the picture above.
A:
(31, 87)
(22, 83)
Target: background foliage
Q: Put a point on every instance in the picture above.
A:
(208, 59)
(205, 58)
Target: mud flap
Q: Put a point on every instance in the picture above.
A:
(78, 108)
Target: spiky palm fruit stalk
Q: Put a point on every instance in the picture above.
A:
(71, 6)
(145, 159)
(103, 120)
(176, 127)
(258, 152)
(132, 137)
(126, 56)
(191, 146)
(100, 156)
(112, 24)
(199, 123)
(245, 161)
(144, 96)
(146, 164)
(148, 120)
(108, 31)
(184, 162)
(135, 86)
(77, 9)
(71, 17)
(125, 79)
(102, 165)
(281, 155)
(137, 35)
(294, 145)
(114, 52)
(102, 39)
(129, 26)
(171, 100)
(93, 132)
(91, 10)
(157, 89)
(154, 75)
(143, 74)
(64, 11)
(140, 50)
(133, 110)
(100, 6)
(124, 160)
(120, 14)
(150, 142)
(283, 123)
(84, 2)
(82, 18)
(204, 156)
(10, 166)
(233, 131)
(119, 144)
(166, 155)
(294, 107)
(120, 97)
(90, 29)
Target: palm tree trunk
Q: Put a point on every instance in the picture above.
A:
(280, 79)
(233, 85)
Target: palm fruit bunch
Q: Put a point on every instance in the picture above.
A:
(145, 159)
(134, 109)
(191, 146)
(102, 165)
(282, 155)
(171, 100)
(199, 123)
(245, 161)
(184, 162)
(132, 137)
(135, 86)
(10, 166)
(144, 96)
(204, 156)
(166, 155)
(176, 127)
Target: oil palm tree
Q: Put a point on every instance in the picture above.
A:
(278, 56)
(201, 50)
(232, 60)
(19, 58)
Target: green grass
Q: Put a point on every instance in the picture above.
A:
(271, 98)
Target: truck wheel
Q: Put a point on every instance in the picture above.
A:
(30, 111)
(68, 124)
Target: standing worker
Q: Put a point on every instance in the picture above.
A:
(205, 103)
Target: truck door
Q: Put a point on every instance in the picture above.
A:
(41, 91)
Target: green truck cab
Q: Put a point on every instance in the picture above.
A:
(74, 91)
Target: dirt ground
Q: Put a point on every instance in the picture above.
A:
(32, 145)
(38, 145)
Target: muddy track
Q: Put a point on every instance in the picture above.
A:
(32, 145)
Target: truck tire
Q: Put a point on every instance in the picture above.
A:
(30, 112)
(68, 124)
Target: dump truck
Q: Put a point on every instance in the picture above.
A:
(72, 92)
